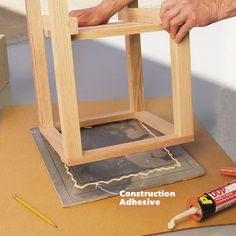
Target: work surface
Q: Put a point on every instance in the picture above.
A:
(24, 174)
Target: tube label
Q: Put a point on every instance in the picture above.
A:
(224, 197)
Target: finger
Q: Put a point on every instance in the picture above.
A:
(165, 6)
(176, 23)
(168, 16)
(77, 14)
(183, 31)
(73, 13)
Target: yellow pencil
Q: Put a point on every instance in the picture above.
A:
(39, 214)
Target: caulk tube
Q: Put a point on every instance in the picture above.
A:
(214, 201)
(205, 205)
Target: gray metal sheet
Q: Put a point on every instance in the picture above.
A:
(111, 134)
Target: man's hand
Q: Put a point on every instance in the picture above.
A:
(179, 16)
(91, 16)
(99, 14)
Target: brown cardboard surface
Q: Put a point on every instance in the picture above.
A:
(23, 173)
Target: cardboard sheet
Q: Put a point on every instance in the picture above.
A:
(23, 173)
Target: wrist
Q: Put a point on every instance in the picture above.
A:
(106, 8)
(226, 9)
(111, 7)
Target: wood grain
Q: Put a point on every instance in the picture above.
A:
(112, 29)
(129, 148)
(54, 137)
(135, 72)
(141, 15)
(155, 122)
(65, 78)
(91, 120)
(182, 87)
(37, 45)
(74, 29)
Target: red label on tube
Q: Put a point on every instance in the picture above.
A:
(224, 197)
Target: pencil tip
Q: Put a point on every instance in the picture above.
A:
(14, 196)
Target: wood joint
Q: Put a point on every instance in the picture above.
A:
(73, 24)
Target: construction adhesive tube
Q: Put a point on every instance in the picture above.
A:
(208, 204)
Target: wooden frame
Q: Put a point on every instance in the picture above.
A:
(65, 137)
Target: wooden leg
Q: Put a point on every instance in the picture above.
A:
(182, 87)
(65, 79)
(135, 73)
(36, 37)
(4, 70)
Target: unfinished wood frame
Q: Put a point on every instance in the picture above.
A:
(65, 137)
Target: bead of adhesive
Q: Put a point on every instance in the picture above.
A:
(190, 211)
(171, 224)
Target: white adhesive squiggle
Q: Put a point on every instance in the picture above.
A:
(177, 164)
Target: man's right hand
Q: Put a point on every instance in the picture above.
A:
(179, 16)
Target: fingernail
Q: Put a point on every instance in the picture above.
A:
(177, 40)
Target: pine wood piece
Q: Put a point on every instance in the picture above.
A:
(4, 70)
(115, 29)
(67, 143)
(36, 38)
(182, 87)
(72, 22)
(86, 121)
(145, 117)
(65, 78)
(135, 72)
(54, 137)
(113, 151)
(98, 154)
(112, 29)
(140, 15)
(129, 148)
(155, 122)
